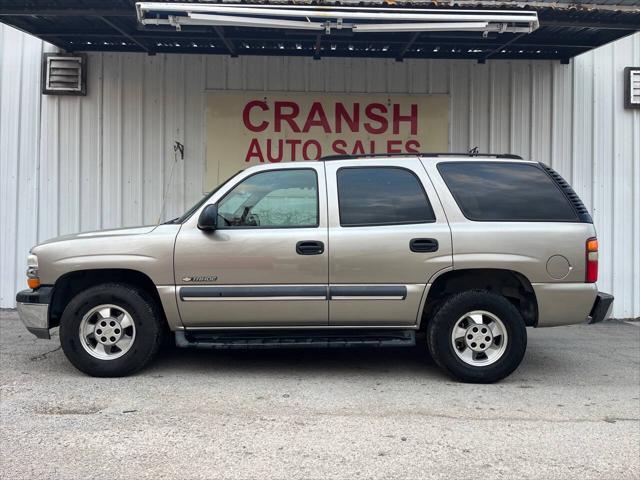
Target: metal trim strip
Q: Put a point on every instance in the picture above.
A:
(368, 292)
(296, 292)
(367, 297)
(270, 292)
(252, 299)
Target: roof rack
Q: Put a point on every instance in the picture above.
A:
(424, 154)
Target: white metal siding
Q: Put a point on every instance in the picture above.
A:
(103, 160)
(19, 153)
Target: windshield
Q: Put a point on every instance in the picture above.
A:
(185, 216)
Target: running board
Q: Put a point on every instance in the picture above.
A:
(287, 338)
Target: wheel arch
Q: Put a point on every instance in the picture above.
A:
(70, 284)
(513, 285)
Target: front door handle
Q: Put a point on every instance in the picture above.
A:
(423, 245)
(310, 247)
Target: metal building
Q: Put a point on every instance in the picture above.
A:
(78, 163)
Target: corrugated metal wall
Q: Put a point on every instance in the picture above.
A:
(103, 160)
(20, 103)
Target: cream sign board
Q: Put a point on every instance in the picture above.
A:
(252, 128)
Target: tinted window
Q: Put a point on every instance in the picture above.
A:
(381, 196)
(506, 191)
(276, 199)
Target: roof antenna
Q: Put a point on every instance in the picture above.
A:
(178, 148)
(474, 151)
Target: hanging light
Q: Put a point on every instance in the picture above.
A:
(359, 20)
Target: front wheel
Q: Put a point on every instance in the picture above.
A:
(111, 330)
(477, 336)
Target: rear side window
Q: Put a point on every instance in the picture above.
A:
(381, 196)
(498, 191)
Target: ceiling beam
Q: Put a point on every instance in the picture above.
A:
(414, 36)
(575, 6)
(332, 53)
(125, 34)
(233, 51)
(67, 12)
(124, 12)
(422, 43)
(599, 25)
(501, 47)
(21, 24)
(24, 26)
(317, 47)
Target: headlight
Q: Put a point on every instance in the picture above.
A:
(33, 277)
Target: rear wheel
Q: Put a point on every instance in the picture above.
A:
(111, 330)
(477, 336)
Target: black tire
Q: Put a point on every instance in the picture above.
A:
(440, 327)
(146, 317)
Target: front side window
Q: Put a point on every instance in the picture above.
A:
(381, 196)
(274, 199)
(503, 191)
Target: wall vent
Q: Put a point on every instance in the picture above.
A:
(632, 87)
(64, 74)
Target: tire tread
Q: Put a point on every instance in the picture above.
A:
(141, 300)
(448, 312)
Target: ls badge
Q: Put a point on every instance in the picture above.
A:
(200, 278)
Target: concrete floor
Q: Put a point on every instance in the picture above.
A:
(572, 410)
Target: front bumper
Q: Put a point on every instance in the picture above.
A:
(601, 309)
(33, 310)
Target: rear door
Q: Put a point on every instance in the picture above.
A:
(388, 236)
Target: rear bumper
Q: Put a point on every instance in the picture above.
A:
(601, 309)
(564, 303)
(33, 310)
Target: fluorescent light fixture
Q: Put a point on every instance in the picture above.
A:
(398, 14)
(343, 12)
(312, 17)
(235, 21)
(419, 27)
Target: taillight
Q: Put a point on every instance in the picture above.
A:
(592, 260)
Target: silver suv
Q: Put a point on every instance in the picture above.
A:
(459, 253)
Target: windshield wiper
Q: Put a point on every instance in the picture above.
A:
(173, 220)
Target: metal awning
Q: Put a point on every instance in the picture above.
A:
(417, 29)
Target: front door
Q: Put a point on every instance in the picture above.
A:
(388, 235)
(267, 262)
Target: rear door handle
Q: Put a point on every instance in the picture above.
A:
(310, 247)
(423, 245)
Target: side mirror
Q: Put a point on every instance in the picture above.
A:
(208, 220)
